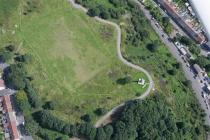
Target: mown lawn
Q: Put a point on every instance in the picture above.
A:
(75, 61)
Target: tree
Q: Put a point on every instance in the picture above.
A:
(67, 129)
(33, 98)
(100, 111)
(15, 76)
(194, 49)
(125, 80)
(93, 12)
(105, 14)
(50, 105)
(22, 101)
(108, 129)
(202, 61)
(152, 47)
(172, 72)
(100, 134)
(120, 131)
(23, 58)
(10, 48)
(86, 118)
(187, 83)
(185, 40)
(5, 56)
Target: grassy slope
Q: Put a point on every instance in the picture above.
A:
(179, 97)
(75, 59)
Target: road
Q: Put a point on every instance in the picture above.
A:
(196, 85)
(204, 52)
(103, 119)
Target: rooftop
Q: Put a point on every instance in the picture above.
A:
(201, 7)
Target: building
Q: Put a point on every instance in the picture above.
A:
(11, 119)
(202, 10)
(2, 85)
(179, 19)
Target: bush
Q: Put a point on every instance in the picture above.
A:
(185, 40)
(15, 76)
(10, 48)
(86, 118)
(172, 71)
(33, 98)
(152, 47)
(100, 111)
(23, 58)
(93, 12)
(122, 81)
(5, 56)
(50, 105)
(22, 101)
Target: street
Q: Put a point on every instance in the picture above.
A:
(196, 85)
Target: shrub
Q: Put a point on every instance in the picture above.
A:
(152, 47)
(49, 105)
(100, 111)
(86, 118)
(15, 76)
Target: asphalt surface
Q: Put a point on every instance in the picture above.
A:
(103, 119)
(196, 85)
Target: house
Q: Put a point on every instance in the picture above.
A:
(14, 134)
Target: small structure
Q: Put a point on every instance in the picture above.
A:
(2, 85)
(141, 81)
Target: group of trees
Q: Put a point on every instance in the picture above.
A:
(15, 76)
(193, 48)
(7, 53)
(47, 120)
(167, 26)
(102, 11)
(163, 20)
(203, 62)
(148, 119)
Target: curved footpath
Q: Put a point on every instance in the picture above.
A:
(105, 119)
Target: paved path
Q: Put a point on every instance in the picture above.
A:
(103, 120)
(196, 85)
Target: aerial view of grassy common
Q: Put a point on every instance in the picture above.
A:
(74, 59)
(72, 75)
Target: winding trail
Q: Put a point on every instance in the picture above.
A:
(105, 119)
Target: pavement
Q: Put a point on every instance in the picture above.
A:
(189, 74)
(7, 92)
(3, 66)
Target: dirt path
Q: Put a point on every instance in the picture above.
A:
(107, 117)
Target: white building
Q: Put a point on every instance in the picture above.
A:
(202, 10)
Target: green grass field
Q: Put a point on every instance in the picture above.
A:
(75, 59)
